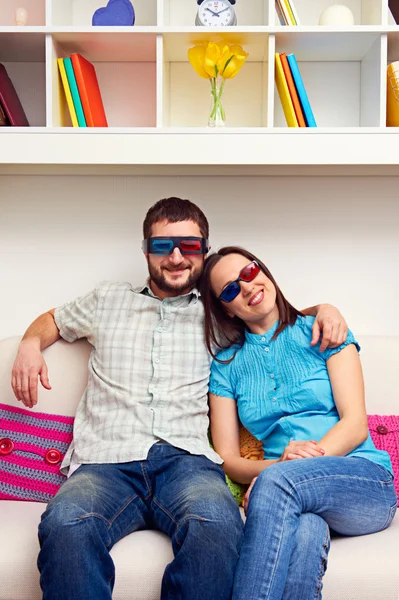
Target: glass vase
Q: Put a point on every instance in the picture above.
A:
(217, 116)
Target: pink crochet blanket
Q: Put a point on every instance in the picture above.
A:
(384, 431)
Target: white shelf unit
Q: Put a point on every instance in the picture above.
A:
(151, 91)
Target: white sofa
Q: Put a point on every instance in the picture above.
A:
(363, 568)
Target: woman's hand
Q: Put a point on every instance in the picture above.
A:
(301, 449)
(246, 497)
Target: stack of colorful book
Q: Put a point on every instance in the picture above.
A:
(82, 92)
(292, 92)
(286, 12)
(12, 113)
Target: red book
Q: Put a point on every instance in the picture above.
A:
(10, 102)
(89, 91)
(292, 89)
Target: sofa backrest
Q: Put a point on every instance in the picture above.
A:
(67, 364)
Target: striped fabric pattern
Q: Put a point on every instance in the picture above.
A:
(24, 472)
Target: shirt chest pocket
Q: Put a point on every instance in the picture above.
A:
(308, 396)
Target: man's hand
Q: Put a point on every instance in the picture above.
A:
(301, 449)
(331, 324)
(28, 366)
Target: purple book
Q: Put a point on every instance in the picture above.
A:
(10, 102)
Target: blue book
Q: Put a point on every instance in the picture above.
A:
(75, 92)
(300, 88)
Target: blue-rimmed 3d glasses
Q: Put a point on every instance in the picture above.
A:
(246, 274)
(162, 246)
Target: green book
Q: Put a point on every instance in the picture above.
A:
(75, 92)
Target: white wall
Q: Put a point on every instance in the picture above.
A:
(332, 239)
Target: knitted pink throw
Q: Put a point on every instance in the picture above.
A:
(32, 446)
(384, 431)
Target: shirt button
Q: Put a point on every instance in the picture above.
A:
(53, 456)
(159, 329)
(263, 339)
(157, 360)
(272, 376)
(155, 390)
(6, 446)
(274, 399)
(266, 349)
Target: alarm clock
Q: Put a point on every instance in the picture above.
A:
(216, 13)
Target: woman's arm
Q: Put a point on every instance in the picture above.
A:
(226, 440)
(346, 379)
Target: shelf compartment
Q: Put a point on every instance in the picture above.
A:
(125, 64)
(36, 12)
(23, 55)
(183, 12)
(342, 74)
(365, 12)
(186, 97)
(80, 12)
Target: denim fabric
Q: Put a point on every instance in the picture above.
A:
(353, 496)
(183, 495)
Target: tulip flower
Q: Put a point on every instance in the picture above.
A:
(217, 61)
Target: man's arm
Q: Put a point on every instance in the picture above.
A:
(29, 363)
(330, 323)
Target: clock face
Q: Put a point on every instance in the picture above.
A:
(216, 13)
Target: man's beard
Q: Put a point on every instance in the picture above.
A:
(159, 279)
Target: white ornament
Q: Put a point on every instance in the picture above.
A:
(21, 16)
(337, 15)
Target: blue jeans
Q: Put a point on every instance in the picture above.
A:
(291, 507)
(183, 495)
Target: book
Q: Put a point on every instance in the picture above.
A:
(10, 102)
(284, 11)
(67, 91)
(279, 13)
(300, 88)
(73, 86)
(292, 89)
(284, 94)
(3, 119)
(291, 16)
(393, 94)
(294, 11)
(89, 91)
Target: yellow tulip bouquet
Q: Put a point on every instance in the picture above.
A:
(217, 61)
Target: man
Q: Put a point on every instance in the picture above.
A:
(140, 456)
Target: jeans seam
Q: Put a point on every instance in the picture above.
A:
(323, 566)
(391, 515)
(147, 481)
(357, 478)
(109, 522)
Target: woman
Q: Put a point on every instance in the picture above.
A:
(321, 468)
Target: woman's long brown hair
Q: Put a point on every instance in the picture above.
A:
(222, 331)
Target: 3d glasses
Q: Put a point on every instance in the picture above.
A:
(246, 274)
(162, 246)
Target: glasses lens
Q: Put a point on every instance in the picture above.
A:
(190, 246)
(230, 292)
(249, 272)
(161, 246)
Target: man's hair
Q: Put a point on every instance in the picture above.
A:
(175, 210)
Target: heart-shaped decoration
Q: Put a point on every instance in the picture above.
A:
(116, 13)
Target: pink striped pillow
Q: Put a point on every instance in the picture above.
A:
(32, 446)
(384, 431)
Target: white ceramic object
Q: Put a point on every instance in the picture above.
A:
(21, 16)
(337, 15)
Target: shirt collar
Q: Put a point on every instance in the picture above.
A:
(261, 338)
(146, 290)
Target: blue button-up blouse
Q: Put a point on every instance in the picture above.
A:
(283, 390)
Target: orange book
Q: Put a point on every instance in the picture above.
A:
(89, 91)
(292, 89)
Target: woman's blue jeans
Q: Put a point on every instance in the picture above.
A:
(183, 495)
(291, 507)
